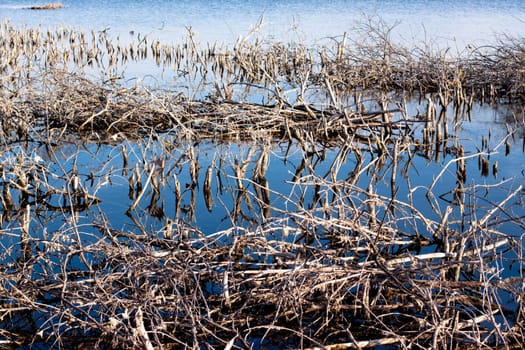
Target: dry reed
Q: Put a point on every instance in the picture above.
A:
(348, 269)
(237, 286)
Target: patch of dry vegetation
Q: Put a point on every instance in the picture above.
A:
(40, 67)
(348, 271)
(51, 6)
(238, 287)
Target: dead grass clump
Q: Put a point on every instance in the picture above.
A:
(331, 85)
(102, 109)
(50, 6)
(99, 111)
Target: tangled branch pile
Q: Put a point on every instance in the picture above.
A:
(239, 288)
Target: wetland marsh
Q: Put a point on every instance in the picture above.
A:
(354, 192)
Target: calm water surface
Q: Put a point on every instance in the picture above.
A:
(442, 22)
(453, 23)
(104, 173)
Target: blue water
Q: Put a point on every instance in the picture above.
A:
(448, 23)
(451, 23)
(290, 190)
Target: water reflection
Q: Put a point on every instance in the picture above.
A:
(158, 215)
(333, 196)
(141, 185)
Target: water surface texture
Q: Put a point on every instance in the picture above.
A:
(440, 22)
(454, 23)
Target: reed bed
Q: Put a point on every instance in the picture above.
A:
(307, 282)
(343, 267)
(42, 66)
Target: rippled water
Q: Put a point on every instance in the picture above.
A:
(450, 22)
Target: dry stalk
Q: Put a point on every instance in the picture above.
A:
(341, 267)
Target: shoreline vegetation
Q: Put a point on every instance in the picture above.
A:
(65, 61)
(349, 271)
